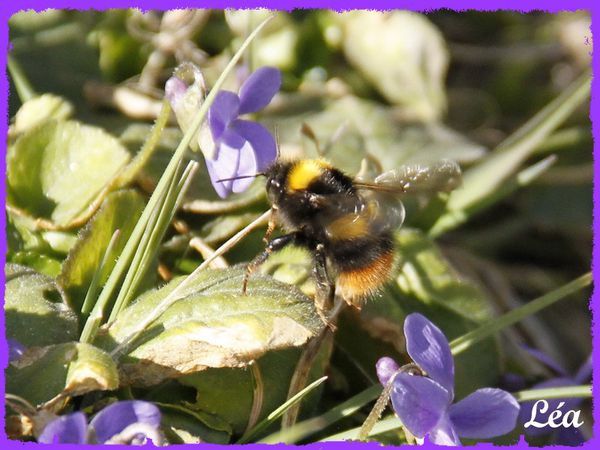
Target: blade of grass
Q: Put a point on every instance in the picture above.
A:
(277, 413)
(514, 182)
(24, 89)
(384, 425)
(308, 427)
(159, 229)
(132, 245)
(135, 272)
(157, 226)
(94, 321)
(485, 178)
(582, 391)
(497, 324)
(91, 293)
(566, 138)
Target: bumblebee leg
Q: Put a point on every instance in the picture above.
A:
(325, 288)
(275, 244)
(271, 225)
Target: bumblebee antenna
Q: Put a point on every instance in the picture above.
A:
(241, 177)
(277, 142)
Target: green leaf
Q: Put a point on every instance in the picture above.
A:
(403, 55)
(212, 325)
(278, 44)
(41, 109)
(426, 275)
(37, 261)
(36, 313)
(120, 55)
(71, 368)
(119, 211)
(185, 426)
(56, 170)
(292, 265)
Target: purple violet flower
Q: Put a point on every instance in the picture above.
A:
(424, 403)
(130, 421)
(242, 147)
(232, 147)
(562, 436)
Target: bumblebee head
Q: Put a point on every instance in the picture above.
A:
(276, 181)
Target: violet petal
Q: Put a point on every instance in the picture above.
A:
(512, 382)
(68, 429)
(419, 402)
(386, 368)
(444, 433)
(429, 348)
(116, 417)
(584, 373)
(542, 417)
(261, 140)
(223, 110)
(175, 89)
(259, 89)
(484, 414)
(545, 359)
(247, 166)
(223, 167)
(571, 437)
(15, 349)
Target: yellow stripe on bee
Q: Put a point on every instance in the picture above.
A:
(349, 226)
(305, 172)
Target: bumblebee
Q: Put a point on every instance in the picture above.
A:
(346, 224)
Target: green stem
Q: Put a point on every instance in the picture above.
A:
(24, 89)
(497, 324)
(151, 144)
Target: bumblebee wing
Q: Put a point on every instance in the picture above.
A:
(442, 176)
(372, 215)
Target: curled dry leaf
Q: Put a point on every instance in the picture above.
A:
(71, 368)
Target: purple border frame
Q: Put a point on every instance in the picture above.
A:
(8, 8)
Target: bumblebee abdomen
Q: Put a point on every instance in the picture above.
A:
(362, 264)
